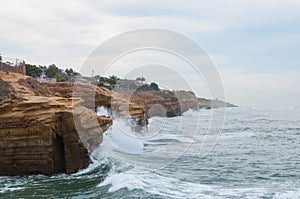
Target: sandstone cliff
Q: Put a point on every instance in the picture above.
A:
(173, 103)
(48, 128)
(39, 136)
(45, 130)
(165, 103)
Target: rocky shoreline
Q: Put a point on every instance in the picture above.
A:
(44, 129)
(50, 128)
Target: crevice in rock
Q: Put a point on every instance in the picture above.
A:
(59, 160)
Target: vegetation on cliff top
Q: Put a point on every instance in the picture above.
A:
(52, 71)
(113, 83)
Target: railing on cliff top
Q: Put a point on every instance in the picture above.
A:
(12, 65)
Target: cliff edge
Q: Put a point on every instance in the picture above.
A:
(40, 133)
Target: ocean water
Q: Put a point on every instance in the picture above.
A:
(256, 156)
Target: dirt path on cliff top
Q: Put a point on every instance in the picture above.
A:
(24, 87)
(13, 80)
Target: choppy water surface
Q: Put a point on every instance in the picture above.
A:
(257, 156)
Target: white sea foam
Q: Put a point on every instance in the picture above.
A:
(175, 188)
(102, 111)
(168, 187)
(177, 181)
(11, 187)
(90, 168)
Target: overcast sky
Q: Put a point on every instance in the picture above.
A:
(255, 45)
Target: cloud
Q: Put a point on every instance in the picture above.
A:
(66, 32)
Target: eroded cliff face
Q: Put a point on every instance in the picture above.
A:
(165, 103)
(49, 128)
(92, 96)
(42, 136)
(46, 133)
(173, 103)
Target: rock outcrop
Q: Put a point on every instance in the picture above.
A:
(93, 96)
(165, 103)
(46, 133)
(173, 103)
(41, 136)
(49, 128)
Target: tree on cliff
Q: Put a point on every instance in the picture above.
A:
(52, 70)
(71, 72)
(140, 79)
(61, 77)
(154, 86)
(113, 79)
(33, 70)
